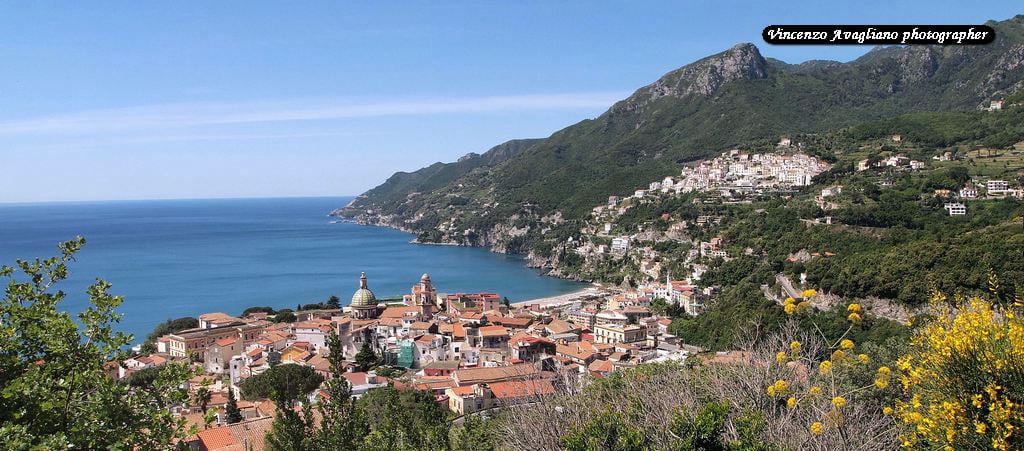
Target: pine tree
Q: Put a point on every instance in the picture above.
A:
(342, 425)
(366, 359)
(233, 415)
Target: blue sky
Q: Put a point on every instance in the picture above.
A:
(148, 100)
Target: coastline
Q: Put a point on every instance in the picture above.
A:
(591, 292)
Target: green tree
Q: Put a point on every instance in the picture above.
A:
(284, 384)
(203, 397)
(403, 420)
(366, 359)
(342, 425)
(333, 302)
(704, 431)
(54, 390)
(474, 434)
(231, 412)
(607, 430)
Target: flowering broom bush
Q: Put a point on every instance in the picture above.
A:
(964, 378)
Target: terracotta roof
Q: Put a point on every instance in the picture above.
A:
(557, 326)
(574, 352)
(217, 438)
(515, 389)
(420, 325)
(398, 312)
(425, 339)
(252, 432)
(513, 321)
(227, 341)
(493, 331)
(470, 376)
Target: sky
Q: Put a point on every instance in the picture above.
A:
(155, 100)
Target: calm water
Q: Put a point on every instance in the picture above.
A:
(185, 257)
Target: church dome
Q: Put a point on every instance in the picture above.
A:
(363, 297)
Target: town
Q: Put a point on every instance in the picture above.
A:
(471, 351)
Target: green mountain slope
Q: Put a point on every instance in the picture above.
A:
(699, 110)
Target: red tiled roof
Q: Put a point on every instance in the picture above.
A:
(216, 438)
(515, 389)
(493, 331)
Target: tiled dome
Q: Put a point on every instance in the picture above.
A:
(363, 297)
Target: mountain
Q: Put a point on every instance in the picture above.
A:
(696, 111)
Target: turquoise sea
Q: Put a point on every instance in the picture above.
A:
(174, 258)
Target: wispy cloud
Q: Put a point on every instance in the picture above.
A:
(212, 114)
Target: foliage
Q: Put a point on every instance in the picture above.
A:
(231, 412)
(366, 358)
(284, 384)
(284, 316)
(963, 379)
(403, 420)
(703, 432)
(54, 390)
(474, 434)
(607, 430)
(342, 425)
(168, 327)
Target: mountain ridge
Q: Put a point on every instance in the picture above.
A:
(690, 113)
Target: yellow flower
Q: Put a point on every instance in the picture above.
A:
(976, 400)
(853, 317)
(791, 402)
(853, 308)
(809, 293)
(815, 390)
(881, 383)
(789, 309)
(789, 301)
(817, 428)
(980, 427)
(846, 344)
(780, 357)
(825, 367)
(884, 371)
(864, 358)
(839, 402)
(771, 391)
(781, 386)
(803, 306)
(794, 346)
(886, 410)
(838, 355)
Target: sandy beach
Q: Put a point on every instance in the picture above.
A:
(568, 298)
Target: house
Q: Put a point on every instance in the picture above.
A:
(469, 376)
(997, 186)
(955, 208)
(916, 165)
(614, 333)
(968, 192)
(363, 382)
(785, 142)
(897, 138)
(493, 336)
(620, 244)
(216, 357)
(995, 105)
(463, 400)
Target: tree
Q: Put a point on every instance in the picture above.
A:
(342, 425)
(284, 384)
(366, 359)
(606, 431)
(203, 397)
(231, 410)
(474, 434)
(333, 302)
(403, 420)
(54, 390)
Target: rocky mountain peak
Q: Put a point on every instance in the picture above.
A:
(703, 77)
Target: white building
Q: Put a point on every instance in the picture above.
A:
(968, 192)
(956, 208)
(997, 186)
(620, 244)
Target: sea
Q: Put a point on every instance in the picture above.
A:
(177, 258)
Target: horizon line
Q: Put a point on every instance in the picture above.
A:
(165, 199)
